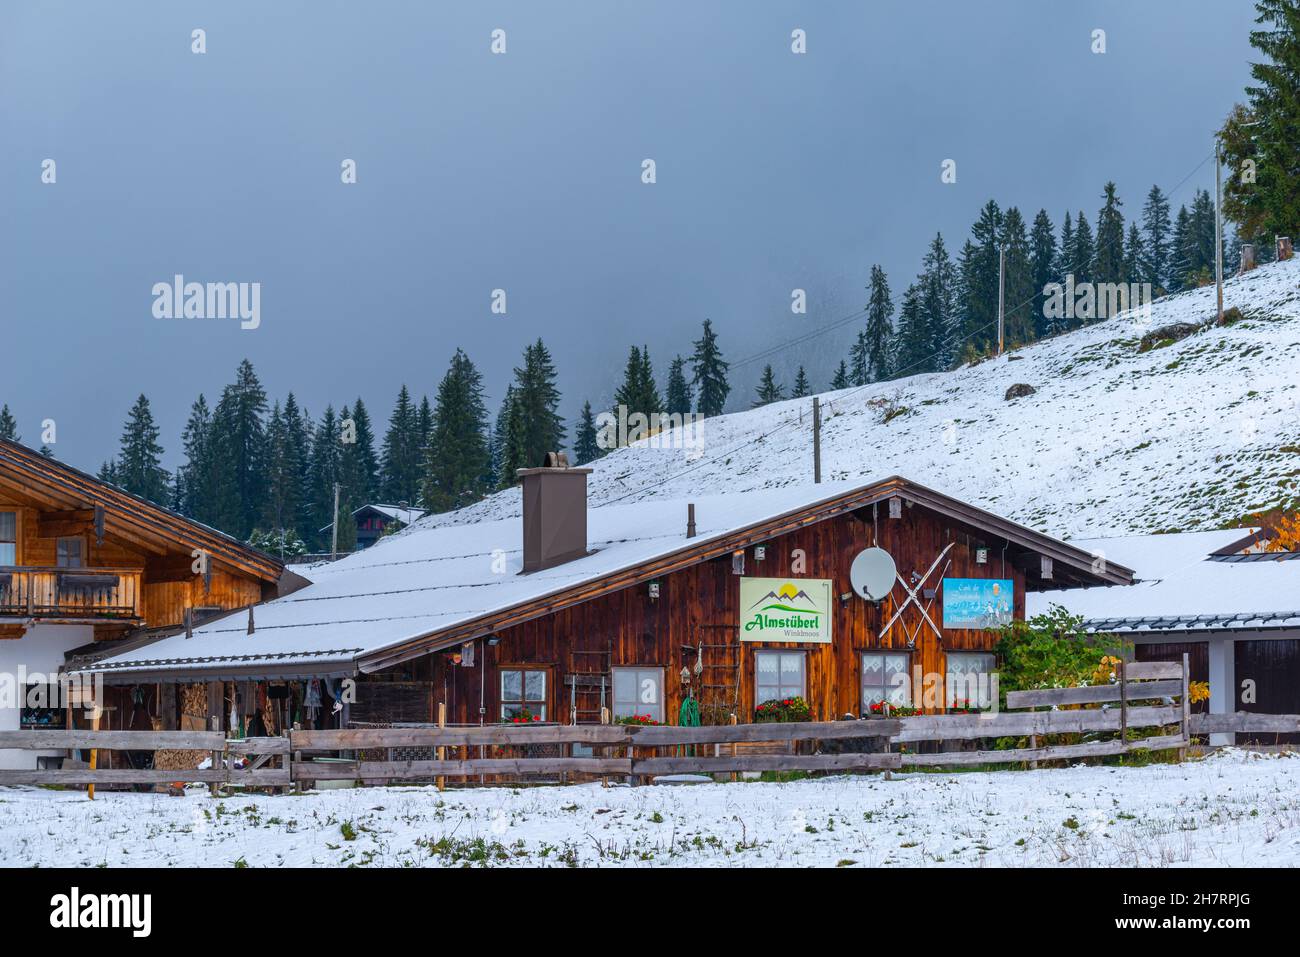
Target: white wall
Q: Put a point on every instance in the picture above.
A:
(41, 650)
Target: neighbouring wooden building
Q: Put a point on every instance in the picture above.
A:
(86, 569)
(559, 610)
(1232, 607)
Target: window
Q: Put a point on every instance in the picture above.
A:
(639, 691)
(777, 675)
(885, 678)
(8, 538)
(969, 683)
(523, 691)
(69, 552)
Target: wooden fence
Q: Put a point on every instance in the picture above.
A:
(1142, 698)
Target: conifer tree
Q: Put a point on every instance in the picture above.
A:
(586, 445)
(1084, 250)
(139, 461)
(298, 435)
(769, 390)
(401, 457)
(325, 472)
(858, 364)
(880, 325)
(841, 378)
(457, 468)
(508, 440)
(1182, 252)
(978, 268)
(1108, 257)
(940, 289)
(1203, 236)
(1270, 205)
(677, 400)
(1156, 237)
(238, 443)
(709, 373)
(279, 511)
(1042, 266)
(195, 478)
(801, 388)
(1135, 257)
(537, 425)
(912, 354)
(8, 426)
(638, 393)
(1018, 291)
(359, 463)
(1065, 252)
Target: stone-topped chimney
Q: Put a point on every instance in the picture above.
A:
(555, 513)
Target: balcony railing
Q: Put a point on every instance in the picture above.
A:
(77, 593)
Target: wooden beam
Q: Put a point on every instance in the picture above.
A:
(1094, 694)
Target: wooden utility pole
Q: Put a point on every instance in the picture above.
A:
(817, 440)
(334, 540)
(1002, 283)
(1218, 228)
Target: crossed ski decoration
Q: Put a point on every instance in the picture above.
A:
(912, 599)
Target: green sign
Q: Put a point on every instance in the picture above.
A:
(785, 609)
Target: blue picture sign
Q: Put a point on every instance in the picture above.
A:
(978, 602)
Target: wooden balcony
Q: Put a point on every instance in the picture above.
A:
(70, 594)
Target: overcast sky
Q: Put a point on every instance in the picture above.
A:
(522, 172)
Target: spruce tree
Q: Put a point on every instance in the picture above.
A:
(1108, 257)
(1156, 239)
(360, 463)
(1203, 237)
(1270, 205)
(1182, 252)
(139, 461)
(677, 400)
(1042, 266)
(1019, 293)
(801, 387)
(709, 373)
(195, 479)
(939, 294)
(880, 325)
(457, 468)
(1135, 257)
(638, 393)
(1084, 250)
(769, 390)
(1065, 252)
(8, 426)
(978, 266)
(859, 372)
(912, 352)
(841, 378)
(400, 460)
(540, 428)
(506, 454)
(298, 436)
(280, 510)
(586, 445)
(325, 472)
(238, 441)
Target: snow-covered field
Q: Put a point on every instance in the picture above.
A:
(1115, 441)
(1232, 809)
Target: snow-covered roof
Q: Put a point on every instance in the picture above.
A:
(1183, 586)
(402, 513)
(432, 577)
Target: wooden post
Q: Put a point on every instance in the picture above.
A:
(1033, 745)
(297, 758)
(604, 752)
(734, 776)
(1123, 704)
(218, 757)
(442, 751)
(817, 439)
(1187, 709)
(94, 752)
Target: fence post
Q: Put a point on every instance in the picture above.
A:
(297, 758)
(1187, 709)
(1033, 745)
(441, 752)
(734, 775)
(94, 752)
(1123, 703)
(218, 757)
(604, 752)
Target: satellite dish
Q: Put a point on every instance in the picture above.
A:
(872, 574)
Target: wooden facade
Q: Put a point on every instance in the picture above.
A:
(697, 614)
(83, 552)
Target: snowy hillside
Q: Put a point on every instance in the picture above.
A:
(1115, 440)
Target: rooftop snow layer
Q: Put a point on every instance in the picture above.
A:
(1181, 588)
(426, 578)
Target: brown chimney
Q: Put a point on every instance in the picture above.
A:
(555, 513)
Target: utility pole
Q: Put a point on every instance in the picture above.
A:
(1002, 283)
(334, 542)
(1218, 227)
(817, 440)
